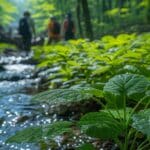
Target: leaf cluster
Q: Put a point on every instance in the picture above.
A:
(111, 122)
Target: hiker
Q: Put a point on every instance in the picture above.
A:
(53, 30)
(68, 28)
(26, 30)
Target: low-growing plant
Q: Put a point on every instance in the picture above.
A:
(96, 61)
(117, 121)
(4, 46)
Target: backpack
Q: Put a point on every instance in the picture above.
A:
(56, 28)
(24, 28)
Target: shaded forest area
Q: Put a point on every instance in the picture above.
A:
(93, 18)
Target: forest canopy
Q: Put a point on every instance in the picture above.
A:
(91, 16)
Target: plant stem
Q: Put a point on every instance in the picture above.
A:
(131, 131)
(125, 122)
(136, 106)
(133, 142)
(119, 143)
(145, 146)
(142, 144)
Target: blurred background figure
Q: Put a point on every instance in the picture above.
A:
(53, 30)
(68, 28)
(26, 30)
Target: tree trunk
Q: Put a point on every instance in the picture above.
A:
(109, 4)
(148, 11)
(79, 18)
(87, 19)
(98, 11)
(104, 5)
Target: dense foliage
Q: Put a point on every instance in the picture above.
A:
(95, 62)
(7, 9)
(114, 71)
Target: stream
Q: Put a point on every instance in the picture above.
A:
(17, 84)
(19, 80)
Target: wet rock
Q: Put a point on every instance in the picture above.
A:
(107, 145)
(74, 111)
(2, 68)
(1, 121)
(9, 51)
(15, 78)
(30, 61)
(22, 119)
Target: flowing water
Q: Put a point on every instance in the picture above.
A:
(19, 80)
(17, 83)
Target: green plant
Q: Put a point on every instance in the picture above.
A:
(116, 122)
(6, 14)
(4, 46)
(111, 123)
(97, 61)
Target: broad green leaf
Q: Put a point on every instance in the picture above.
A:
(100, 125)
(141, 121)
(125, 85)
(86, 147)
(37, 134)
(62, 96)
(57, 128)
(119, 113)
(28, 135)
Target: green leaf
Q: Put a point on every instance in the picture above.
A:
(119, 113)
(86, 147)
(141, 121)
(126, 85)
(57, 128)
(62, 96)
(28, 135)
(100, 125)
(101, 70)
(37, 134)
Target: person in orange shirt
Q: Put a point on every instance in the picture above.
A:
(53, 30)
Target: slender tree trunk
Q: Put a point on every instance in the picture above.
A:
(79, 18)
(98, 10)
(104, 5)
(121, 3)
(109, 4)
(148, 11)
(87, 19)
(137, 11)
